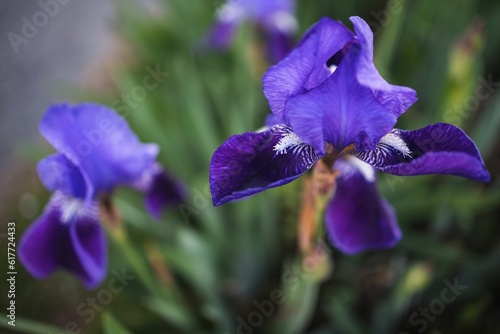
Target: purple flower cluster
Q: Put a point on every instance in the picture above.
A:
(329, 101)
(96, 152)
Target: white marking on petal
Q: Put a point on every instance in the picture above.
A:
(393, 140)
(365, 169)
(332, 68)
(288, 141)
(71, 208)
(291, 145)
(262, 129)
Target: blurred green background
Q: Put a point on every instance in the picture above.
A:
(238, 268)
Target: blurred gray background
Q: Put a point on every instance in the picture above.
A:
(66, 51)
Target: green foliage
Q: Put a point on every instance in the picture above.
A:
(112, 326)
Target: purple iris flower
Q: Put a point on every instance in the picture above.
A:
(274, 17)
(329, 102)
(96, 152)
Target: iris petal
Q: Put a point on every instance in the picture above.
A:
(255, 161)
(66, 236)
(305, 68)
(99, 142)
(58, 173)
(435, 149)
(358, 218)
(162, 190)
(396, 98)
(340, 111)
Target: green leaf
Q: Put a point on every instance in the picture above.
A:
(172, 313)
(486, 131)
(390, 34)
(111, 325)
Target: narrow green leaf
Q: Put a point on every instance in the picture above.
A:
(111, 325)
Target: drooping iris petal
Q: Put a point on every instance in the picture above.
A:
(396, 98)
(358, 218)
(58, 173)
(435, 149)
(162, 190)
(255, 161)
(305, 67)
(340, 111)
(99, 142)
(67, 236)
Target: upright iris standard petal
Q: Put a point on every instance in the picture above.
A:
(396, 98)
(99, 142)
(340, 111)
(255, 161)
(305, 67)
(67, 236)
(436, 149)
(358, 218)
(58, 173)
